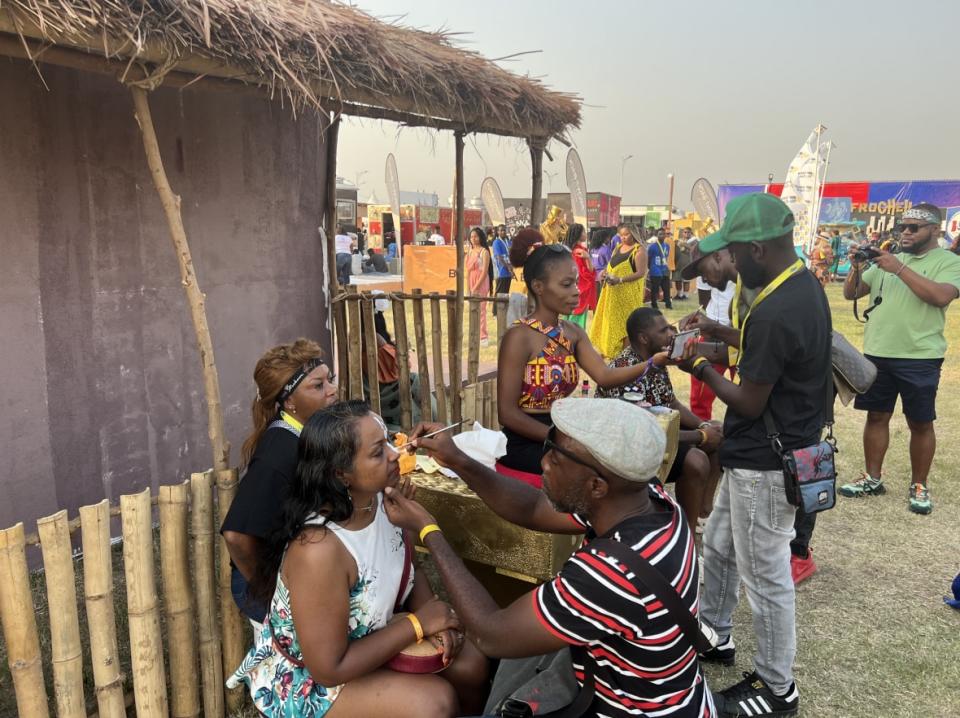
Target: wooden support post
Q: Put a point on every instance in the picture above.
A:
(195, 298)
(438, 381)
(453, 357)
(342, 343)
(234, 628)
(146, 644)
(473, 344)
(338, 326)
(419, 329)
(370, 341)
(66, 653)
(403, 364)
(501, 311)
(355, 349)
(536, 190)
(456, 379)
(98, 600)
(174, 502)
(208, 638)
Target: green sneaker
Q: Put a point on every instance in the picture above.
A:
(920, 502)
(864, 486)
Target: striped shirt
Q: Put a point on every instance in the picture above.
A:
(642, 662)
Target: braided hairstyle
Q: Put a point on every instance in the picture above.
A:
(574, 236)
(273, 371)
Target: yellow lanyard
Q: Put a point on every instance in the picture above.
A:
(793, 269)
(298, 425)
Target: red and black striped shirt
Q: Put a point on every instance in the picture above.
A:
(643, 663)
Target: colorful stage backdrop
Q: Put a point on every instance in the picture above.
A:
(878, 204)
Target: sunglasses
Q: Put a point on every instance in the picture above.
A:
(550, 445)
(913, 227)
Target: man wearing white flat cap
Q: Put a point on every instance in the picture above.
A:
(600, 457)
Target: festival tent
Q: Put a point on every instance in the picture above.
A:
(237, 106)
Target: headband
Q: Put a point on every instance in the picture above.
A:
(923, 214)
(298, 376)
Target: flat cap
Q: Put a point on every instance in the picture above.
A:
(623, 438)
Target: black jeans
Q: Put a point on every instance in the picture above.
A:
(656, 284)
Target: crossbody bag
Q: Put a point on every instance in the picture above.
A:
(809, 473)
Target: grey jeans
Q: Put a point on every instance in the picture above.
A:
(748, 537)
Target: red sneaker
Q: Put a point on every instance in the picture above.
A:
(802, 568)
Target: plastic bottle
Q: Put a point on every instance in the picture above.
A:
(585, 389)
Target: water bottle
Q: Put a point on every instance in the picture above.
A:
(585, 389)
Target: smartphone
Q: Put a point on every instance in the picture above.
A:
(680, 341)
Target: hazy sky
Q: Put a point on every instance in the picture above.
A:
(724, 90)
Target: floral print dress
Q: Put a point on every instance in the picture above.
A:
(279, 683)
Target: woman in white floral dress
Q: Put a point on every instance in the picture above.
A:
(335, 575)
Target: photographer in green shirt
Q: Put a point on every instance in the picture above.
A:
(909, 294)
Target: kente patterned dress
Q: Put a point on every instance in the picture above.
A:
(617, 301)
(553, 374)
(279, 683)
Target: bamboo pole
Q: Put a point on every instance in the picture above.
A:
(208, 640)
(501, 311)
(403, 362)
(66, 653)
(195, 298)
(455, 379)
(437, 337)
(331, 138)
(234, 628)
(177, 600)
(473, 345)
(355, 348)
(342, 342)
(146, 645)
(453, 358)
(419, 330)
(536, 184)
(98, 601)
(19, 622)
(370, 342)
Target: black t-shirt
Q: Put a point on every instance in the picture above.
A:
(787, 344)
(257, 508)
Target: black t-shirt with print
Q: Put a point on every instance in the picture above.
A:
(787, 344)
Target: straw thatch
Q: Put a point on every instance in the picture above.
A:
(310, 51)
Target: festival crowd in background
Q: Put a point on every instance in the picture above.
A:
(321, 531)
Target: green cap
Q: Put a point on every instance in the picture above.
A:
(754, 217)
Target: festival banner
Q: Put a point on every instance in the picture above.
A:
(577, 184)
(953, 224)
(704, 199)
(493, 200)
(393, 184)
(802, 187)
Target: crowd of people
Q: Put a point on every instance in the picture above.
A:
(321, 531)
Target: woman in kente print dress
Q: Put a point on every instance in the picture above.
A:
(541, 356)
(336, 574)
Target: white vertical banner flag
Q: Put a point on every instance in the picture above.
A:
(493, 200)
(577, 184)
(801, 189)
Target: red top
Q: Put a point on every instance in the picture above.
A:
(587, 283)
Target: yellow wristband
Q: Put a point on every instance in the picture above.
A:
(698, 361)
(427, 530)
(417, 628)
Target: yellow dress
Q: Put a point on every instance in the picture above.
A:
(617, 301)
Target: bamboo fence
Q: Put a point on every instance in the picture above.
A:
(183, 636)
(357, 357)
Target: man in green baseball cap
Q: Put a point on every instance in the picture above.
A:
(784, 367)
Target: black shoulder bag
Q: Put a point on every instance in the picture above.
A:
(809, 473)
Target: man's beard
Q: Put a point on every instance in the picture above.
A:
(917, 247)
(751, 273)
(570, 503)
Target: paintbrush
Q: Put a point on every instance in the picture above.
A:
(432, 433)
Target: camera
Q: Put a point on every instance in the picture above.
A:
(867, 252)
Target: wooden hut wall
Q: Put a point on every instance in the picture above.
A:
(103, 392)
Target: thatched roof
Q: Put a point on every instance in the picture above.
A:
(310, 51)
